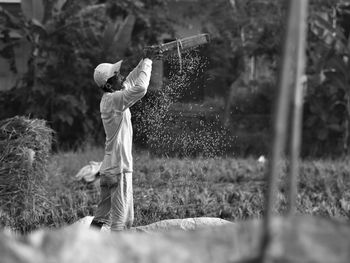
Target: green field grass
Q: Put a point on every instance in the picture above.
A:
(166, 188)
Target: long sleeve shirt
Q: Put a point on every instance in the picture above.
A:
(116, 119)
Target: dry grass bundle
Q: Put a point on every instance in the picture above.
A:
(25, 146)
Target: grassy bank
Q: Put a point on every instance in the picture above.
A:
(177, 188)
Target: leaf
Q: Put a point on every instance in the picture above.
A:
(91, 36)
(59, 5)
(311, 121)
(339, 65)
(14, 41)
(315, 107)
(139, 4)
(123, 37)
(108, 36)
(339, 102)
(323, 22)
(68, 100)
(11, 20)
(65, 118)
(39, 25)
(335, 127)
(328, 33)
(90, 9)
(33, 9)
(340, 84)
(347, 12)
(322, 134)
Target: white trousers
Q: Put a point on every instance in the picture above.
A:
(117, 206)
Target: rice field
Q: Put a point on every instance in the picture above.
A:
(164, 188)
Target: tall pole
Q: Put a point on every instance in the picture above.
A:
(296, 128)
(281, 114)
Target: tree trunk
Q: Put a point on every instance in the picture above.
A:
(227, 112)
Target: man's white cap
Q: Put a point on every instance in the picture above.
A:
(104, 71)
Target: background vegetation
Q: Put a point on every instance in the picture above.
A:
(68, 39)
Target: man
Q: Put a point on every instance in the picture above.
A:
(116, 206)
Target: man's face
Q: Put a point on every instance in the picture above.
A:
(116, 81)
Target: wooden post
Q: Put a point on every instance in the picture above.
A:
(297, 105)
(281, 114)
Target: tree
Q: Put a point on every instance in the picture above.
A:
(241, 30)
(327, 111)
(68, 38)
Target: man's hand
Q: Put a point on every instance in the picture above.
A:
(153, 53)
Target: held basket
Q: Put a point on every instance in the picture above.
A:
(181, 44)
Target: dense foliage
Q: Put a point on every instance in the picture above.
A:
(240, 29)
(244, 30)
(68, 39)
(327, 114)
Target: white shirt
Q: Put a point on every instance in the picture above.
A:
(116, 119)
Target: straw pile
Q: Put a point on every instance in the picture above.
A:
(25, 146)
